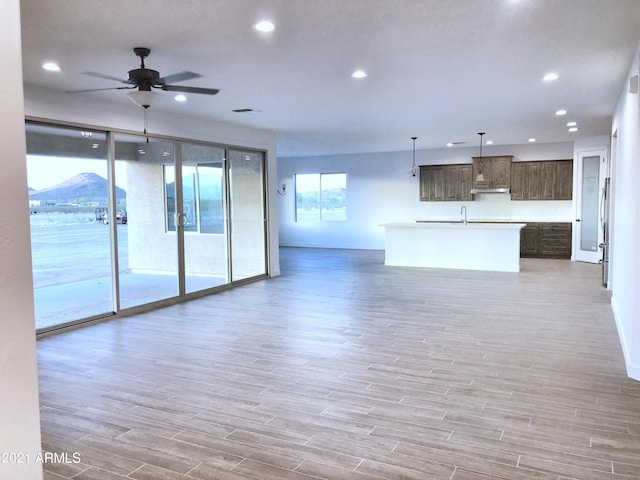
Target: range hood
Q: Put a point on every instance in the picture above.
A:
(476, 191)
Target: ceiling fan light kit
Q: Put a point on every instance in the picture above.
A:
(144, 98)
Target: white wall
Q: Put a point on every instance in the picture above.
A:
(19, 413)
(380, 189)
(625, 224)
(77, 109)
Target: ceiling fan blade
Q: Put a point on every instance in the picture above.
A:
(107, 77)
(177, 88)
(100, 89)
(179, 77)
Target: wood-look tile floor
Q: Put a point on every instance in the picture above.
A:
(343, 368)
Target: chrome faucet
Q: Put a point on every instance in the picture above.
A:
(464, 210)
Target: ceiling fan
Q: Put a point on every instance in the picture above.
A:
(146, 79)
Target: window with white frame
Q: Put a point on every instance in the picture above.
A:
(321, 197)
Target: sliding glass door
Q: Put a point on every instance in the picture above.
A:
(248, 217)
(123, 222)
(147, 245)
(70, 246)
(204, 217)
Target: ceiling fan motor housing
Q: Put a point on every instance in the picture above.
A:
(144, 78)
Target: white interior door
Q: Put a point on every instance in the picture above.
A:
(592, 168)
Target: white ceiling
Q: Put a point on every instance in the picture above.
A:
(439, 70)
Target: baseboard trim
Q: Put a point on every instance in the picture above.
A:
(633, 371)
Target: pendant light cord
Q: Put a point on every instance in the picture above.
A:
(481, 134)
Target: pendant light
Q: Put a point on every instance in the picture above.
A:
(414, 168)
(480, 176)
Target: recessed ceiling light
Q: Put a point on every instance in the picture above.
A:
(571, 124)
(449, 144)
(51, 67)
(489, 142)
(549, 77)
(264, 26)
(561, 112)
(573, 129)
(359, 74)
(180, 98)
(531, 140)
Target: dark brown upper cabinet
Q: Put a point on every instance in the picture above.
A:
(445, 183)
(542, 180)
(564, 180)
(492, 172)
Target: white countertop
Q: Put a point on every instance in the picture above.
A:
(474, 219)
(447, 224)
(496, 219)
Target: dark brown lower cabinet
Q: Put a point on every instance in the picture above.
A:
(529, 240)
(545, 240)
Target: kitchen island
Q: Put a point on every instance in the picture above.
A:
(456, 245)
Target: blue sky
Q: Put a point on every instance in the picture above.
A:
(45, 172)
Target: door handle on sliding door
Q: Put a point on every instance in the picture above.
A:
(181, 219)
